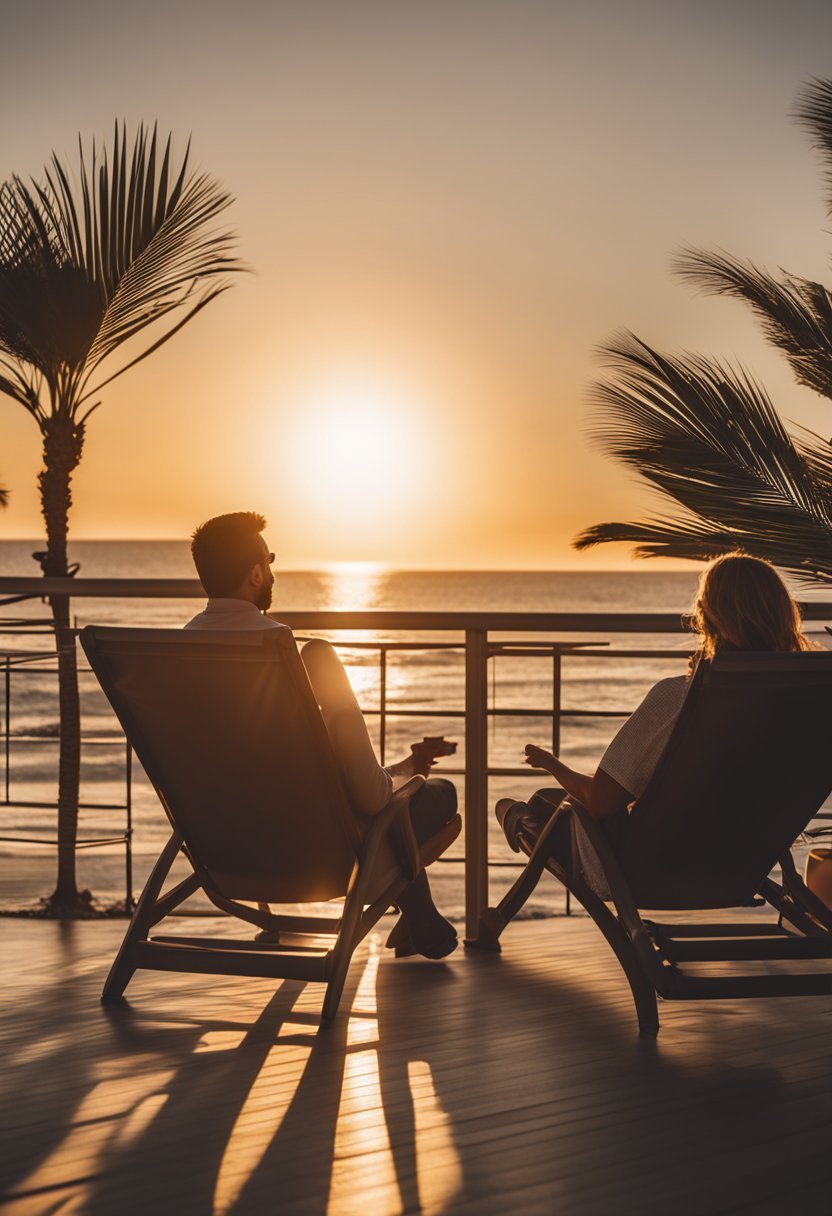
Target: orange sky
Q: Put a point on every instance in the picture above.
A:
(447, 206)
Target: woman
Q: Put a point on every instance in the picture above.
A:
(741, 604)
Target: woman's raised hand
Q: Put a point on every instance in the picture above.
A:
(538, 757)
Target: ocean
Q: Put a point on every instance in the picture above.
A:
(421, 680)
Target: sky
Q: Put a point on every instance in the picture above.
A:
(447, 205)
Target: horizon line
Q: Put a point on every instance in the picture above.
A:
(346, 565)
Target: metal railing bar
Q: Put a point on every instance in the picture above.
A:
(384, 645)
(664, 653)
(25, 661)
(87, 741)
(530, 648)
(562, 713)
(524, 771)
(396, 711)
(9, 626)
(8, 758)
(53, 806)
(506, 622)
(495, 865)
(81, 844)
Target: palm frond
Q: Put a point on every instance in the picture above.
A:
(817, 452)
(85, 267)
(168, 272)
(696, 541)
(814, 111)
(795, 314)
(46, 305)
(14, 384)
(708, 438)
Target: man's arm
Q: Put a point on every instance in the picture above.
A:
(403, 771)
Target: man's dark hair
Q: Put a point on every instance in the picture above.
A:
(225, 548)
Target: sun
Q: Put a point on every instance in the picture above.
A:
(352, 446)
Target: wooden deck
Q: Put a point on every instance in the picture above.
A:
(511, 1084)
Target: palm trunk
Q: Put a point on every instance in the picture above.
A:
(62, 444)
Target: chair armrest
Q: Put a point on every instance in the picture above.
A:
(581, 821)
(583, 824)
(393, 820)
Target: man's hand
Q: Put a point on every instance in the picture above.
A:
(421, 759)
(428, 751)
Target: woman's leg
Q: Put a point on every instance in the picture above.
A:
(530, 819)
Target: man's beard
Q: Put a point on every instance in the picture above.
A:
(264, 597)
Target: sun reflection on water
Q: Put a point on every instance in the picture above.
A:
(356, 587)
(353, 586)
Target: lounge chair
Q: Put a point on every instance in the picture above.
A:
(748, 765)
(228, 731)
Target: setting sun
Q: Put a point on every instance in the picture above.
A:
(351, 446)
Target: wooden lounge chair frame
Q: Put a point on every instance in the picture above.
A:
(650, 952)
(289, 946)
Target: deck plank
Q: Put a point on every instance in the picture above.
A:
(512, 1083)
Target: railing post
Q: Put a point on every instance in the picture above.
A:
(382, 703)
(557, 674)
(128, 834)
(8, 740)
(476, 779)
(556, 686)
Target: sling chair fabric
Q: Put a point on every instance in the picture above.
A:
(747, 767)
(227, 728)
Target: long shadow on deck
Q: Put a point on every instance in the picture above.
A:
(485, 1085)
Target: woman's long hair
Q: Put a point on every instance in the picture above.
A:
(743, 604)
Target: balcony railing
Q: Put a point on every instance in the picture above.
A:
(474, 638)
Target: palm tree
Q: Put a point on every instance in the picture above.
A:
(707, 436)
(85, 268)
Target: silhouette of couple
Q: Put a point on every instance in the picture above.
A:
(742, 604)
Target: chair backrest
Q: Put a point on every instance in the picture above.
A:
(227, 729)
(748, 765)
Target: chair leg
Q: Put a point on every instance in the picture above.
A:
(348, 938)
(494, 920)
(335, 987)
(141, 923)
(643, 991)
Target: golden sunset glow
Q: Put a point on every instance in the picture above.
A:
(447, 208)
(351, 447)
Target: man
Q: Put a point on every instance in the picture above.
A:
(234, 563)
